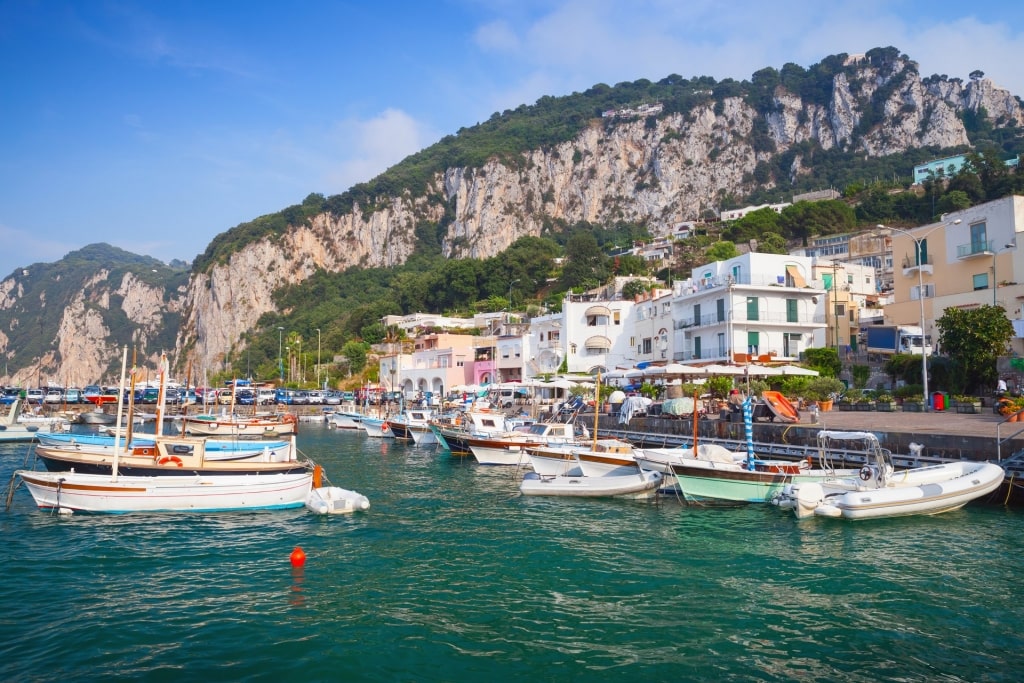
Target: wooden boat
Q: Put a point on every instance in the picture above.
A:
(69, 492)
(231, 425)
(878, 490)
(216, 449)
(509, 448)
(180, 456)
(636, 485)
(332, 500)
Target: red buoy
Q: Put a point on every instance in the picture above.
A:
(298, 557)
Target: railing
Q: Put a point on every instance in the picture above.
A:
(980, 248)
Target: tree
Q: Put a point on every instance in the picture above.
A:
(974, 339)
(772, 243)
(585, 265)
(355, 351)
(721, 251)
(826, 361)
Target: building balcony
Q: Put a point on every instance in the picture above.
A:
(975, 249)
(910, 266)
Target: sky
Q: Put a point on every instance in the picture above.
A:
(155, 126)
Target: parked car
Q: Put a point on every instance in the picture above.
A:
(10, 395)
(348, 397)
(224, 397)
(315, 398)
(54, 396)
(300, 398)
(245, 397)
(35, 396)
(265, 397)
(332, 398)
(74, 396)
(150, 395)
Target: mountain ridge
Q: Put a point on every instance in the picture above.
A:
(711, 145)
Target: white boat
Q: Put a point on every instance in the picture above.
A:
(422, 435)
(879, 490)
(96, 416)
(376, 428)
(332, 500)
(12, 429)
(68, 492)
(401, 425)
(509, 448)
(637, 485)
(453, 432)
(346, 419)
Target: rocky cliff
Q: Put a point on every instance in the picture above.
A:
(655, 170)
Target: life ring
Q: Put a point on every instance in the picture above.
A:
(294, 419)
(866, 473)
(169, 459)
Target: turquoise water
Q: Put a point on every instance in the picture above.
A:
(451, 576)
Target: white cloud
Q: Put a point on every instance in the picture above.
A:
(369, 147)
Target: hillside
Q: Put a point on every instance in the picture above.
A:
(642, 156)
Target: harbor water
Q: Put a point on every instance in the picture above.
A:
(452, 576)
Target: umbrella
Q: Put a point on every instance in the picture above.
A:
(790, 370)
(723, 370)
(761, 371)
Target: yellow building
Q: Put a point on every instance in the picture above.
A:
(967, 260)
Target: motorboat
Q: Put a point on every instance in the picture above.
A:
(509, 448)
(879, 490)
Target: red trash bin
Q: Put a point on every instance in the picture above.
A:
(938, 401)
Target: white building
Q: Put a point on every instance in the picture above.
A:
(589, 334)
(751, 307)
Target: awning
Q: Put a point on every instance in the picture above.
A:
(599, 310)
(599, 343)
(794, 274)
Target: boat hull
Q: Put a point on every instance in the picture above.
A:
(332, 500)
(639, 485)
(920, 491)
(76, 492)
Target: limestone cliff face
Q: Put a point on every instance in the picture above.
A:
(631, 170)
(82, 348)
(658, 171)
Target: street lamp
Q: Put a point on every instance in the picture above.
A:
(510, 298)
(920, 298)
(280, 363)
(995, 283)
(318, 359)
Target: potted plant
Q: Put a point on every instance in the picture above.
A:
(885, 403)
(864, 403)
(823, 390)
(967, 404)
(913, 404)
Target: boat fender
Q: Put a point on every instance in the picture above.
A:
(170, 459)
(214, 425)
(318, 476)
(866, 473)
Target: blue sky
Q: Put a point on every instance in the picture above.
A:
(154, 126)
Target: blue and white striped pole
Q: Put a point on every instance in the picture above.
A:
(748, 428)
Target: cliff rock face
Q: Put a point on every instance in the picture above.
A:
(658, 171)
(660, 175)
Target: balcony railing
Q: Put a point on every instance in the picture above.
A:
(972, 249)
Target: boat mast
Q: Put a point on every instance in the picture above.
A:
(120, 405)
